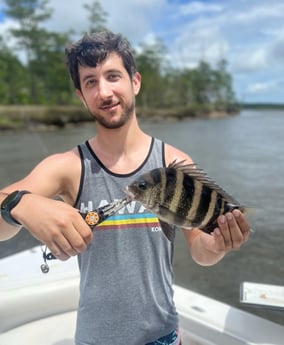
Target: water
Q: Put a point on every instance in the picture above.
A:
(244, 154)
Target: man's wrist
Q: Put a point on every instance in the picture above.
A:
(203, 254)
(9, 202)
(3, 196)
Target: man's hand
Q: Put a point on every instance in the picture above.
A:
(232, 232)
(54, 223)
(207, 249)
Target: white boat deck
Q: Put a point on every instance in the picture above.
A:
(38, 309)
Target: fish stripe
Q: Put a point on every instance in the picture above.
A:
(168, 185)
(177, 192)
(222, 208)
(197, 190)
(163, 185)
(184, 200)
(218, 210)
(211, 209)
(157, 177)
(203, 206)
(179, 200)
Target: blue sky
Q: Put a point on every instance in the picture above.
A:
(249, 34)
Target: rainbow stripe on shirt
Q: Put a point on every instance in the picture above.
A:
(124, 221)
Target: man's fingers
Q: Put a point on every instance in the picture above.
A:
(242, 223)
(225, 231)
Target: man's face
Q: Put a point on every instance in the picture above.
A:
(108, 92)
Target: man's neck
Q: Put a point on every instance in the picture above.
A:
(121, 150)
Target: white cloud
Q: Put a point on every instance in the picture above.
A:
(277, 51)
(5, 26)
(261, 87)
(198, 7)
(251, 60)
(248, 34)
(260, 11)
(205, 43)
(131, 18)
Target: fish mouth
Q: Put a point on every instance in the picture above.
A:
(129, 194)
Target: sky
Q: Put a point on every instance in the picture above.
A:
(249, 34)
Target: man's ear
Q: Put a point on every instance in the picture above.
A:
(136, 82)
(82, 99)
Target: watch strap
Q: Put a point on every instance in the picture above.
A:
(9, 203)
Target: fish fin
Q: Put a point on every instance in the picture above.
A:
(177, 164)
(200, 175)
(243, 208)
(168, 230)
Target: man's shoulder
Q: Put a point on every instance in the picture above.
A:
(62, 158)
(172, 153)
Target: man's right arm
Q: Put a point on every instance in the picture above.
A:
(54, 223)
(6, 230)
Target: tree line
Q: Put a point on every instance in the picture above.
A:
(42, 79)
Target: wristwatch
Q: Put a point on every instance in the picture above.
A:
(9, 203)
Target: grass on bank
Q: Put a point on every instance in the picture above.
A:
(33, 116)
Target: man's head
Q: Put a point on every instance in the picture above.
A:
(94, 48)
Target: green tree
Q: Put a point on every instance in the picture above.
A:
(29, 36)
(179, 87)
(151, 64)
(201, 83)
(12, 77)
(97, 16)
(50, 71)
(43, 78)
(222, 82)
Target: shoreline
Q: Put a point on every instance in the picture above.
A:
(45, 118)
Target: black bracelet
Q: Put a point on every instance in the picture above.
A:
(9, 203)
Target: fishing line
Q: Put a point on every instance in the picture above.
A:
(46, 256)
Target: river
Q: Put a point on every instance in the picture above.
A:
(243, 153)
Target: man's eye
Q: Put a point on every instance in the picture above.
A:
(113, 77)
(90, 82)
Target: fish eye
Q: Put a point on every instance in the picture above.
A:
(142, 185)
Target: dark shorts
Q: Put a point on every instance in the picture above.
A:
(172, 338)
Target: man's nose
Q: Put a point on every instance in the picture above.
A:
(105, 90)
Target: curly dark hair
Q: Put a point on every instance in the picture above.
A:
(93, 48)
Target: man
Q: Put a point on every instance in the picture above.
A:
(126, 294)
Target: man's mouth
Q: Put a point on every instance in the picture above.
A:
(109, 106)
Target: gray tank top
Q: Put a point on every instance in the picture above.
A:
(126, 294)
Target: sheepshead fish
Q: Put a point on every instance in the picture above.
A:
(182, 195)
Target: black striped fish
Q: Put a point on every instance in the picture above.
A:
(182, 195)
